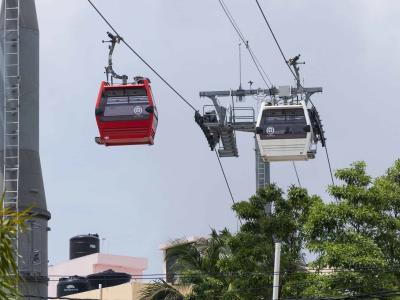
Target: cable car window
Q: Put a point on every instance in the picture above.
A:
(140, 92)
(125, 108)
(137, 95)
(118, 110)
(136, 92)
(286, 123)
(274, 116)
(117, 100)
(136, 99)
(115, 92)
(121, 104)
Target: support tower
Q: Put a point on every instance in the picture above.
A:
(21, 174)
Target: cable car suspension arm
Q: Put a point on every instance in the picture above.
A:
(294, 62)
(115, 39)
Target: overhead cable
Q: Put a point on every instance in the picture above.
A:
(294, 74)
(361, 270)
(381, 294)
(329, 164)
(226, 180)
(297, 174)
(159, 76)
(141, 58)
(327, 155)
(276, 40)
(256, 62)
(371, 295)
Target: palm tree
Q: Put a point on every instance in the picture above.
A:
(10, 221)
(161, 290)
(196, 267)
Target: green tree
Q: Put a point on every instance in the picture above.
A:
(240, 266)
(196, 266)
(161, 290)
(252, 248)
(356, 240)
(9, 222)
(357, 235)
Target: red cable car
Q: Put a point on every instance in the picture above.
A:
(126, 114)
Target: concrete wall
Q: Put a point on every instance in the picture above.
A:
(95, 263)
(128, 291)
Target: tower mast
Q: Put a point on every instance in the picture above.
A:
(21, 174)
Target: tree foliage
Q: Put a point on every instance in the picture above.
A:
(9, 278)
(358, 235)
(196, 266)
(355, 240)
(240, 266)
(252, 248)
(161, 290)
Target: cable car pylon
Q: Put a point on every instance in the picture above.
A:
(282, 118)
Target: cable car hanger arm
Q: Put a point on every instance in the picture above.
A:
(114, 39)
(141, 58)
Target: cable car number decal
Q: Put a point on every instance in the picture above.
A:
(138, 110)
(270, 130)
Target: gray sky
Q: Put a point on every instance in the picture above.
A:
(140, 197)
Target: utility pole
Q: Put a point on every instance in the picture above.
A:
(277, 266)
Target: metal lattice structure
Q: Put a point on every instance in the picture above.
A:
(11, 114)
(262, 170)
(219, 123)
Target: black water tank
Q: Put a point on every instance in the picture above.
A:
(72, 285)
(82, 245)
(107, 278)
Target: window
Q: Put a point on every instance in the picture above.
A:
(285, 123)
(125, 104)
(117, 100)
(112, 110)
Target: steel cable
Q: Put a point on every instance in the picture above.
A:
(294, 74)
(162, 78)
(256, 62)
(141, 58)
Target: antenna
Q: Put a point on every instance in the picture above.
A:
(240, 98)
(240, 66)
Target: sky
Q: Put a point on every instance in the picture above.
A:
(139, 197)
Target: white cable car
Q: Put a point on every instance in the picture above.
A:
(285, 132)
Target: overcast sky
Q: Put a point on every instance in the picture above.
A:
(139, 197)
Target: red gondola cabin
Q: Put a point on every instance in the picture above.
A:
(126, 114)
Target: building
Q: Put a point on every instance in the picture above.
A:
(95, 263)
(169, 263)
(128, 291)
(99, 262)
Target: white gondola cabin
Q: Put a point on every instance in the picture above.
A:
(285, 132)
